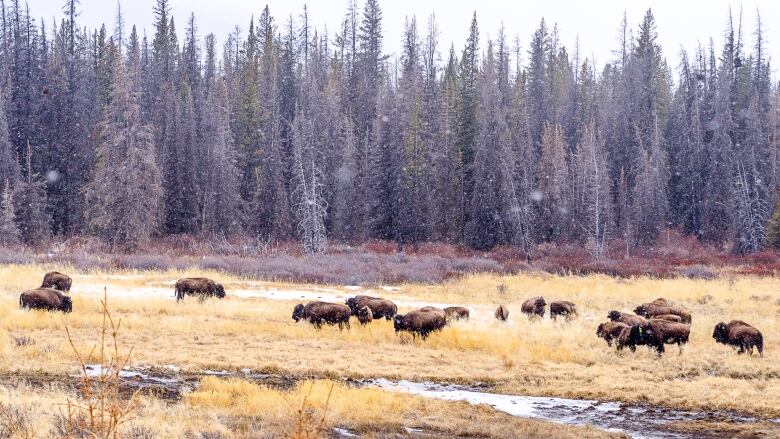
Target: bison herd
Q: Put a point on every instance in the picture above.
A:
(653, 324)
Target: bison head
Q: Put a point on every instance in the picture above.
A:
(352, 304)
(641, 310)
(297, 312)
(600, 330)
(398, 322)
(67, 304)
(721, 333)
(614, 315)
(220, 291)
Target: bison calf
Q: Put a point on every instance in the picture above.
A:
(457, 312)
(57, 280)
(365, 316)
(563, 308)
(318, 313)
(502, 313)
(739, 335)
(379, 307)
(534, 307)
(198, 286)
(46, 298)
(422, 321)
(610, 331)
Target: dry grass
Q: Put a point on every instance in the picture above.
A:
(521, 357)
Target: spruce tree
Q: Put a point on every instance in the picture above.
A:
(9, 231)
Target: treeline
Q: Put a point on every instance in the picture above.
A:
(288, 131)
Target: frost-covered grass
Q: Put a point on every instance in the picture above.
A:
(520, 357)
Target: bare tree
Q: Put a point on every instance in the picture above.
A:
(591, 171)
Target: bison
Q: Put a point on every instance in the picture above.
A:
(656, 333)
(502, 313)
(318, 313)
(739, 335)
(365, 316)
(57, 280)
(198, 286)
(610, 331)
(421, 321)
(379, 307)
(651, 310)
(669, 318)
(628, 319)
(457, 312)
(534, 307)
(565, 309)
(46, 298)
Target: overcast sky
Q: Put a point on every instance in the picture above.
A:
(680, 22)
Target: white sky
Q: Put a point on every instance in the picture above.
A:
(596, 22)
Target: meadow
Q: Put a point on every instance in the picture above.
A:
(522, 357)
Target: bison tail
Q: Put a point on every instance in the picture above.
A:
(21, 300)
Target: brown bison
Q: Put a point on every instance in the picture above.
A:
(365, 316)
(628, 319)
(651, 310)
(457, 312)
(610, 331)
(421, 321)
(379, 307)
(669, 318)
(740, 336)
(534, 307)
(46, 298)
(563, 308)
(318, 313)
(502, 313)
(198, 286)
(656, 333)
(57, 280)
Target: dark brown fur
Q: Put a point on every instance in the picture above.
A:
(651, 310)
(46, 298)
(457, 312)
(379, 307)
(198, 286)
(534, 307)
(656, 333)
(740, 336)
(628, 319)
(563, 308)
(609, 331)
(421, 321)
(57, 280)
(318, 313)
(502, 313)
(365, 316)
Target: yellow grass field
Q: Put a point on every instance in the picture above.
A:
(521, 357)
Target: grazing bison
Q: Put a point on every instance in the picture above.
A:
(669, 318)
(651, 310)
(534, 307)
(457, 312)
(565, 309)
(57, 280)
(740, 336)
(628, 319)
(421, 321)
(610, 331)
(365, 316)
(198, 286)
(656, 333)
(318, 313)
(379, 307)
(46, 298)
(502, 313)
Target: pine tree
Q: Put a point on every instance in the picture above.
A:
(9, 166)
(9, 231)
(127, 190)
(552, 185)
(30, 201)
